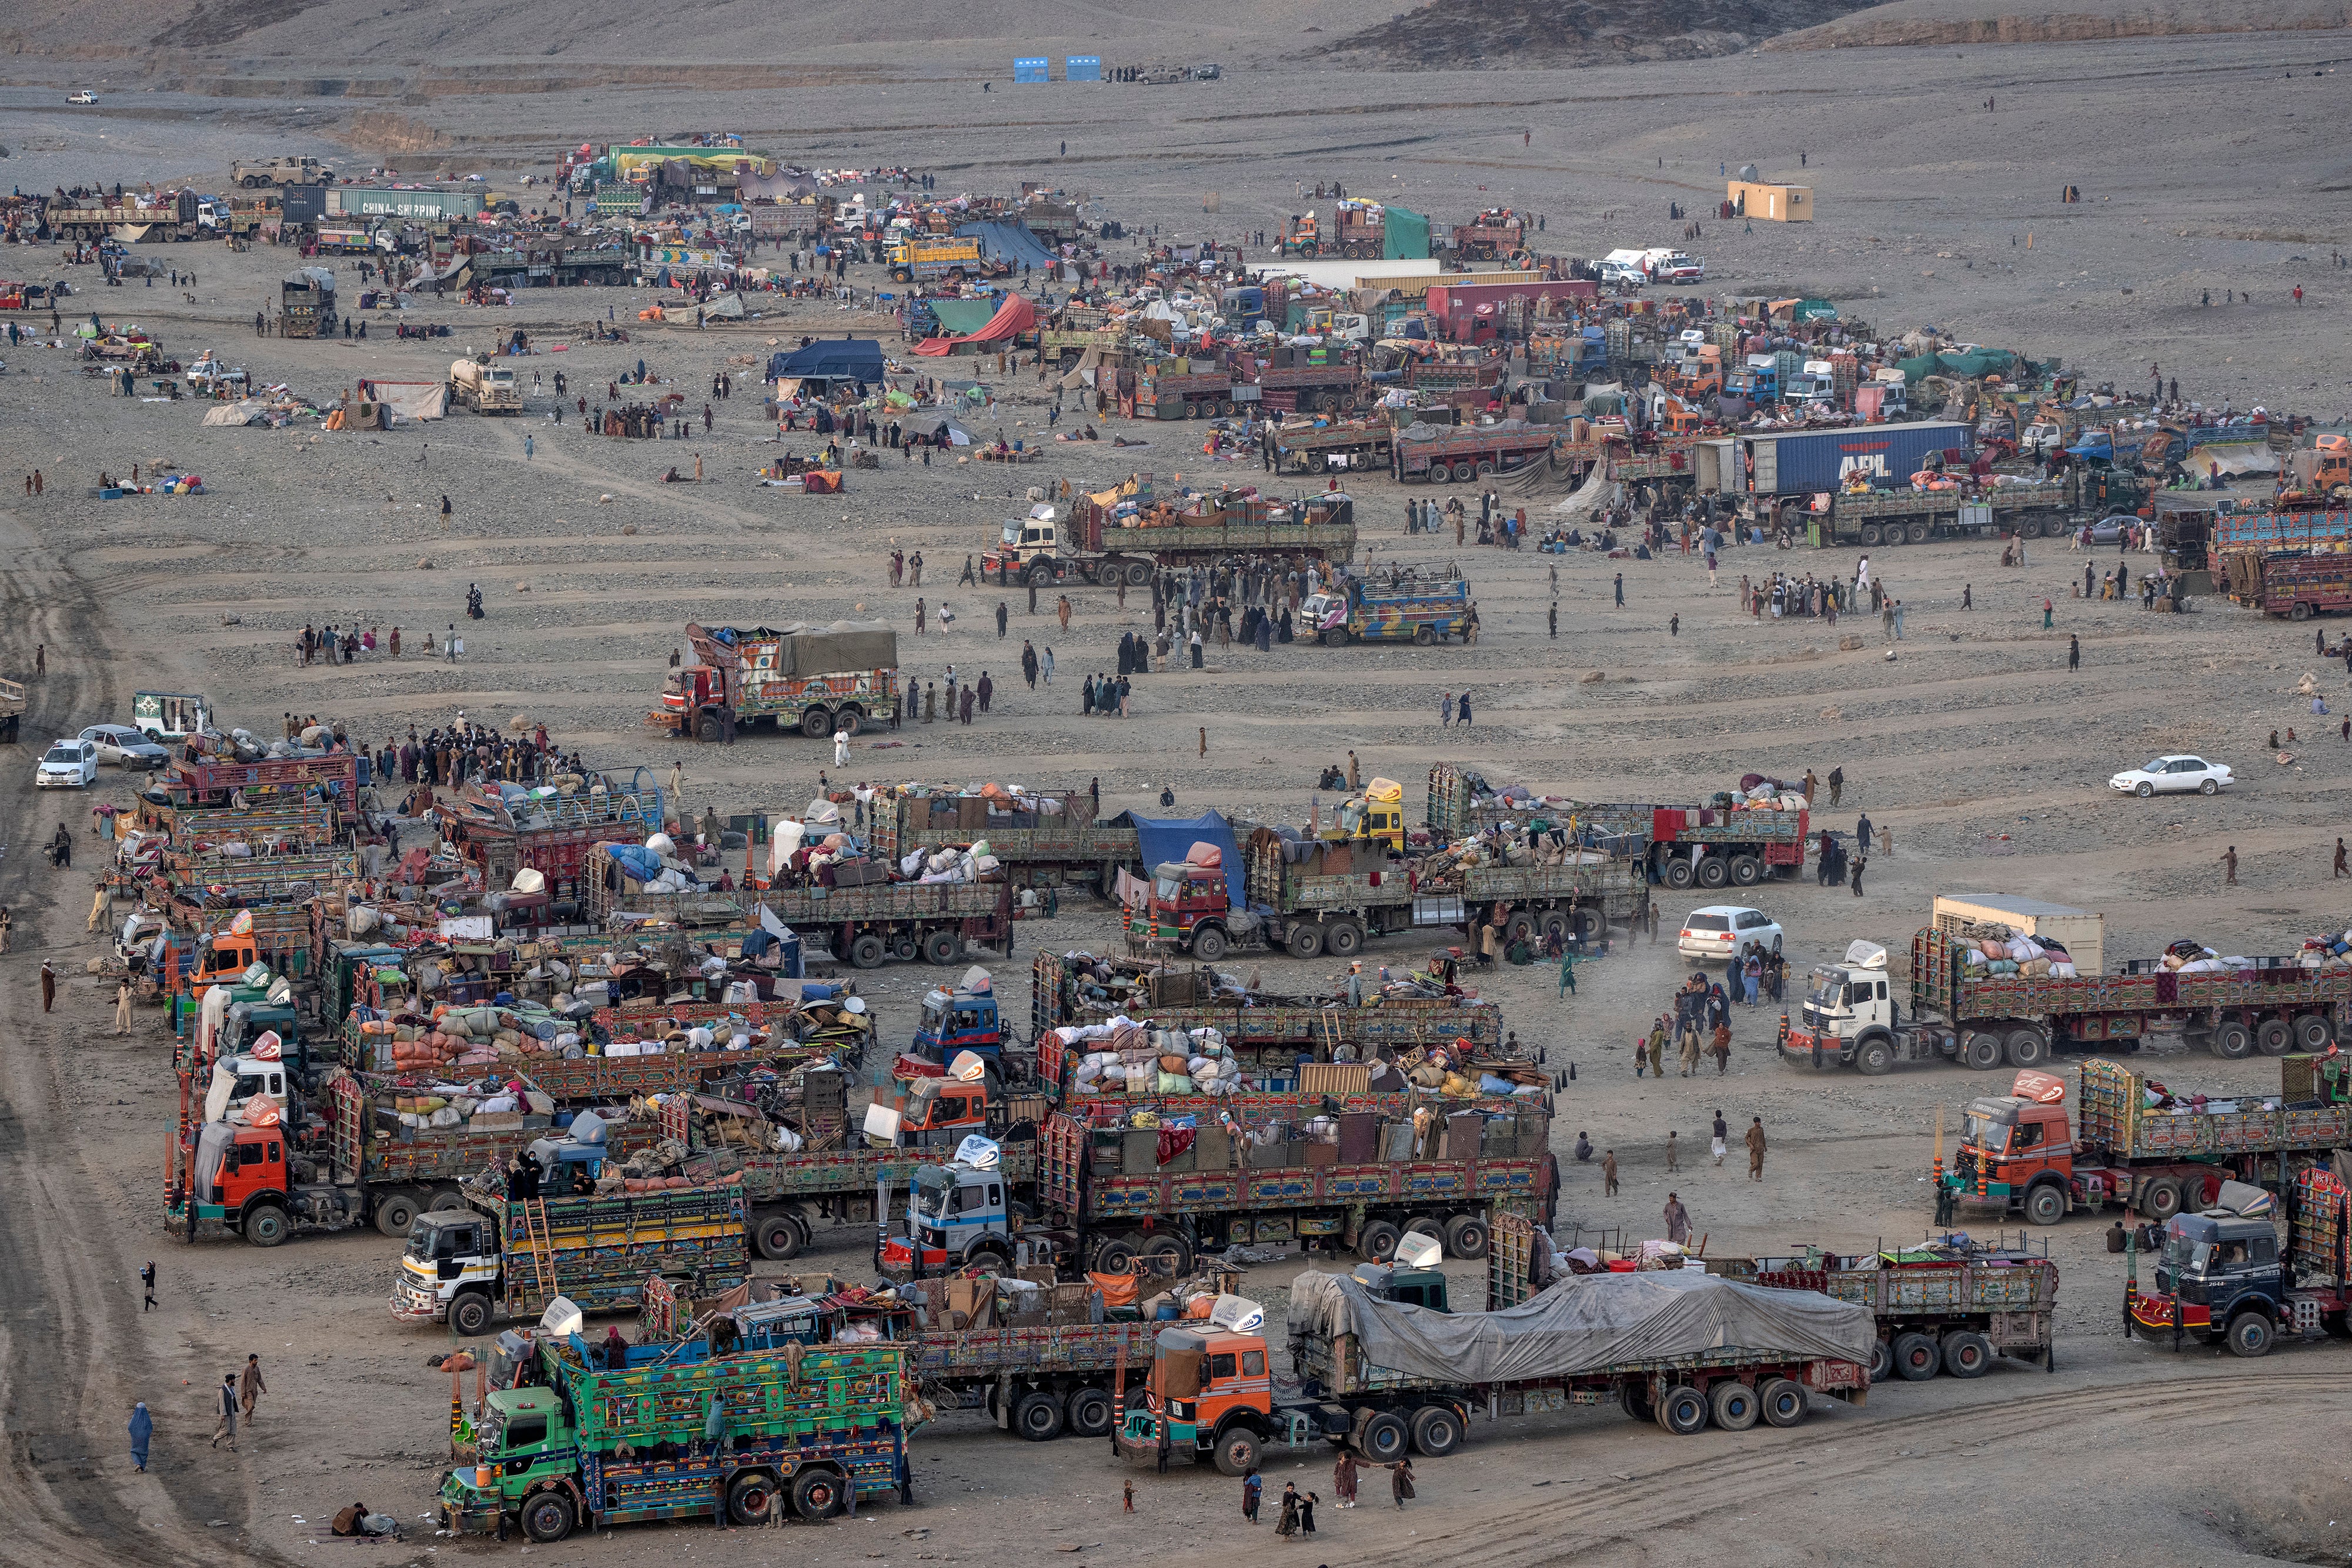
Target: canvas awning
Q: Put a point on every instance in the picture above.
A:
(1015, 316)
(408, 400)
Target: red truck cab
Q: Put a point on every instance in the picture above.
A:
(1187, 904)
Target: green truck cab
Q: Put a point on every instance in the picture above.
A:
(678, 1433)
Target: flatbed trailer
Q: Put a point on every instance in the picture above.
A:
(1036, 850)
(1937, 1307)
(1304, 389)
(1364, 442)
(1042, 1383)
(1468, 454)
(1875, 517)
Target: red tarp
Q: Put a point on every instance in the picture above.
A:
(1015, 316)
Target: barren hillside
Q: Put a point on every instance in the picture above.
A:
(1959, 22)
(1539, 33)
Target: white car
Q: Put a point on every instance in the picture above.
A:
(68, 765)
(1617, 275)
(125, 746)
(2175, 775)
(83, 99)
(1721, 930)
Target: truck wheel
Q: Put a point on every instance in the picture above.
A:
(1209, 943)
(2250, 1334)
(1436, 1432)
(1336, 637)
(265, 1225)
(1519, 927)
(1040, 573)
(2232, 1041)
(864, 950)
(1465, 1237)
(1343, 938)
(1236, 1452)
(1424, 637)
(1968, 1354)
(1783, 1401)
(777, 1236)
(2299, 613)
(1745, 871)
(1869, 535)
(2046, 1204)
(1037, 1417)
(848, 720)
(1874, 1057)
(706, 726)
(470, 1314)
(2272, 1037)
(942, 947)
(1915, 1358)
(1712, 873)
(1114, 1255)
(817, 1494)
(1306, 940)
(1384, 1438)
(816, 724)
(752, 1497)
(1734, 1407)
(1920, 531)
(447, 1201)
(1138, 573)
(2027, 1047)
(1679, 873)
(2312, 1033)
(1633, 1398)
(1882, 1361)
(1683, 1410)
(547, 1518)
(1110, 573)
(1980, 1049)
(2159, 1200)
(1192, 409)
(1090, 1412)
(902, 947)
(1377, 1241)
(395, 1212)
(1170, 1250)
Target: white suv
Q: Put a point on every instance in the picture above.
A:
(1722, 930)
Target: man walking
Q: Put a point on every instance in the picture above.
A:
(1620, 590)
(1756, 1149)
(1722, 1133)
(2228, 863)
(123, 1003)
(1609, 1173)
(252, 1387)
(1673, 1151)
(1677, 1218)
(2340, 869)
(147, 1280)
(1837, 784)
(224, 1409)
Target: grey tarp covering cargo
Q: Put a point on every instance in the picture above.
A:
(844, 359)
(1586, 1324)
(836, 649)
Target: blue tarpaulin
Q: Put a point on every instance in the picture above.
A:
(1008, 242)
(854, 359)
(1163, 839)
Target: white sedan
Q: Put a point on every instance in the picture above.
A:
(1722, 930)
(68, 765)
(2176, 775)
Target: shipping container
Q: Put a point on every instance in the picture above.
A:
(1820, 460)
(375, 201)
(2080, 932)
(1462, 309)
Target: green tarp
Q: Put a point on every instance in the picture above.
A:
(962, 317)
(1977, 362)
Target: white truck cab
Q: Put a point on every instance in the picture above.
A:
(1853, 1016)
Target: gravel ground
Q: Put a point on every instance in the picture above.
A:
(1975, 744)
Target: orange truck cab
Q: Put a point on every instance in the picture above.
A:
(939, 1112)
(1210, 1395)
(223, 960)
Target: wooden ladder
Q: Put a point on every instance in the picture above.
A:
(1330, 1033)
(542, 1244)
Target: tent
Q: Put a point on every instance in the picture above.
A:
(723, 307)
(2235, 458)
(1008, 242)
(1163, 839)
(1015, 317)
(408, 400)
(234, 414)
(962, 318)
(848, 358)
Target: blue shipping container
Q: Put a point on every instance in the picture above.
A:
(1819, 460)
(1082, 68)
(1032, 70)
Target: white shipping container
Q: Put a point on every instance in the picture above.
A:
(2081, 933)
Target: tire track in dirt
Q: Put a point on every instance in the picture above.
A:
(73, 1357)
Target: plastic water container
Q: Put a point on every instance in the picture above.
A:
(1167, 1313)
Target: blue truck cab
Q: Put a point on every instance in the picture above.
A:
(954, 1022)
(2229, 1278)
(1758, 379)
(957, 1214)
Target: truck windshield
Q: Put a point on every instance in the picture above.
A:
(1167, 889)
(1987, 1132)
(929, 1198)
(934, 1014)
(1828, 989)
(433, 1236)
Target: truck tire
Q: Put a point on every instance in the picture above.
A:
(1436, 1431)
(2159, 1199)
(2273, 1036)
(1384, 1438)
(777, 1236)
(1236, 1452)
(1208, 944)
(1336, 637)
(1192, 409)
(1920, 531)
(1425, 636)
(1586, 924)
(1869, 535)
(2232, 1041)
(850, 719)
(1916, 1357)
(2027, 1048)
(1783, 1401)
(1091, 1411)
(1980, 1049)
(1110, 573)
(2250, 1334)
(1138, 573)
(1874, 1057)
(1712, 873)
(1682, 1411)
(865, 950)
(1040, 573)
(817, 1494)
(816, 724)
(1343, 938)
(1465, 1237)
(1679, 873)
(265, 1223)
(1745, 871)
(2046, 1204)
(942, 947)
(1966, 1354)
(1882, 1361)
(1734, 1407)
(395, 1212)
(1633, 1398)
(547, 1517)
(1037, 1416)
(471, 1312)
(706, 726)
(752, 1497)
(1377, 1241)
(902, 947)
(1519, 927)
(1114, 1255)
(1173, 1251)
(2312, 1033)
(1306, 940)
